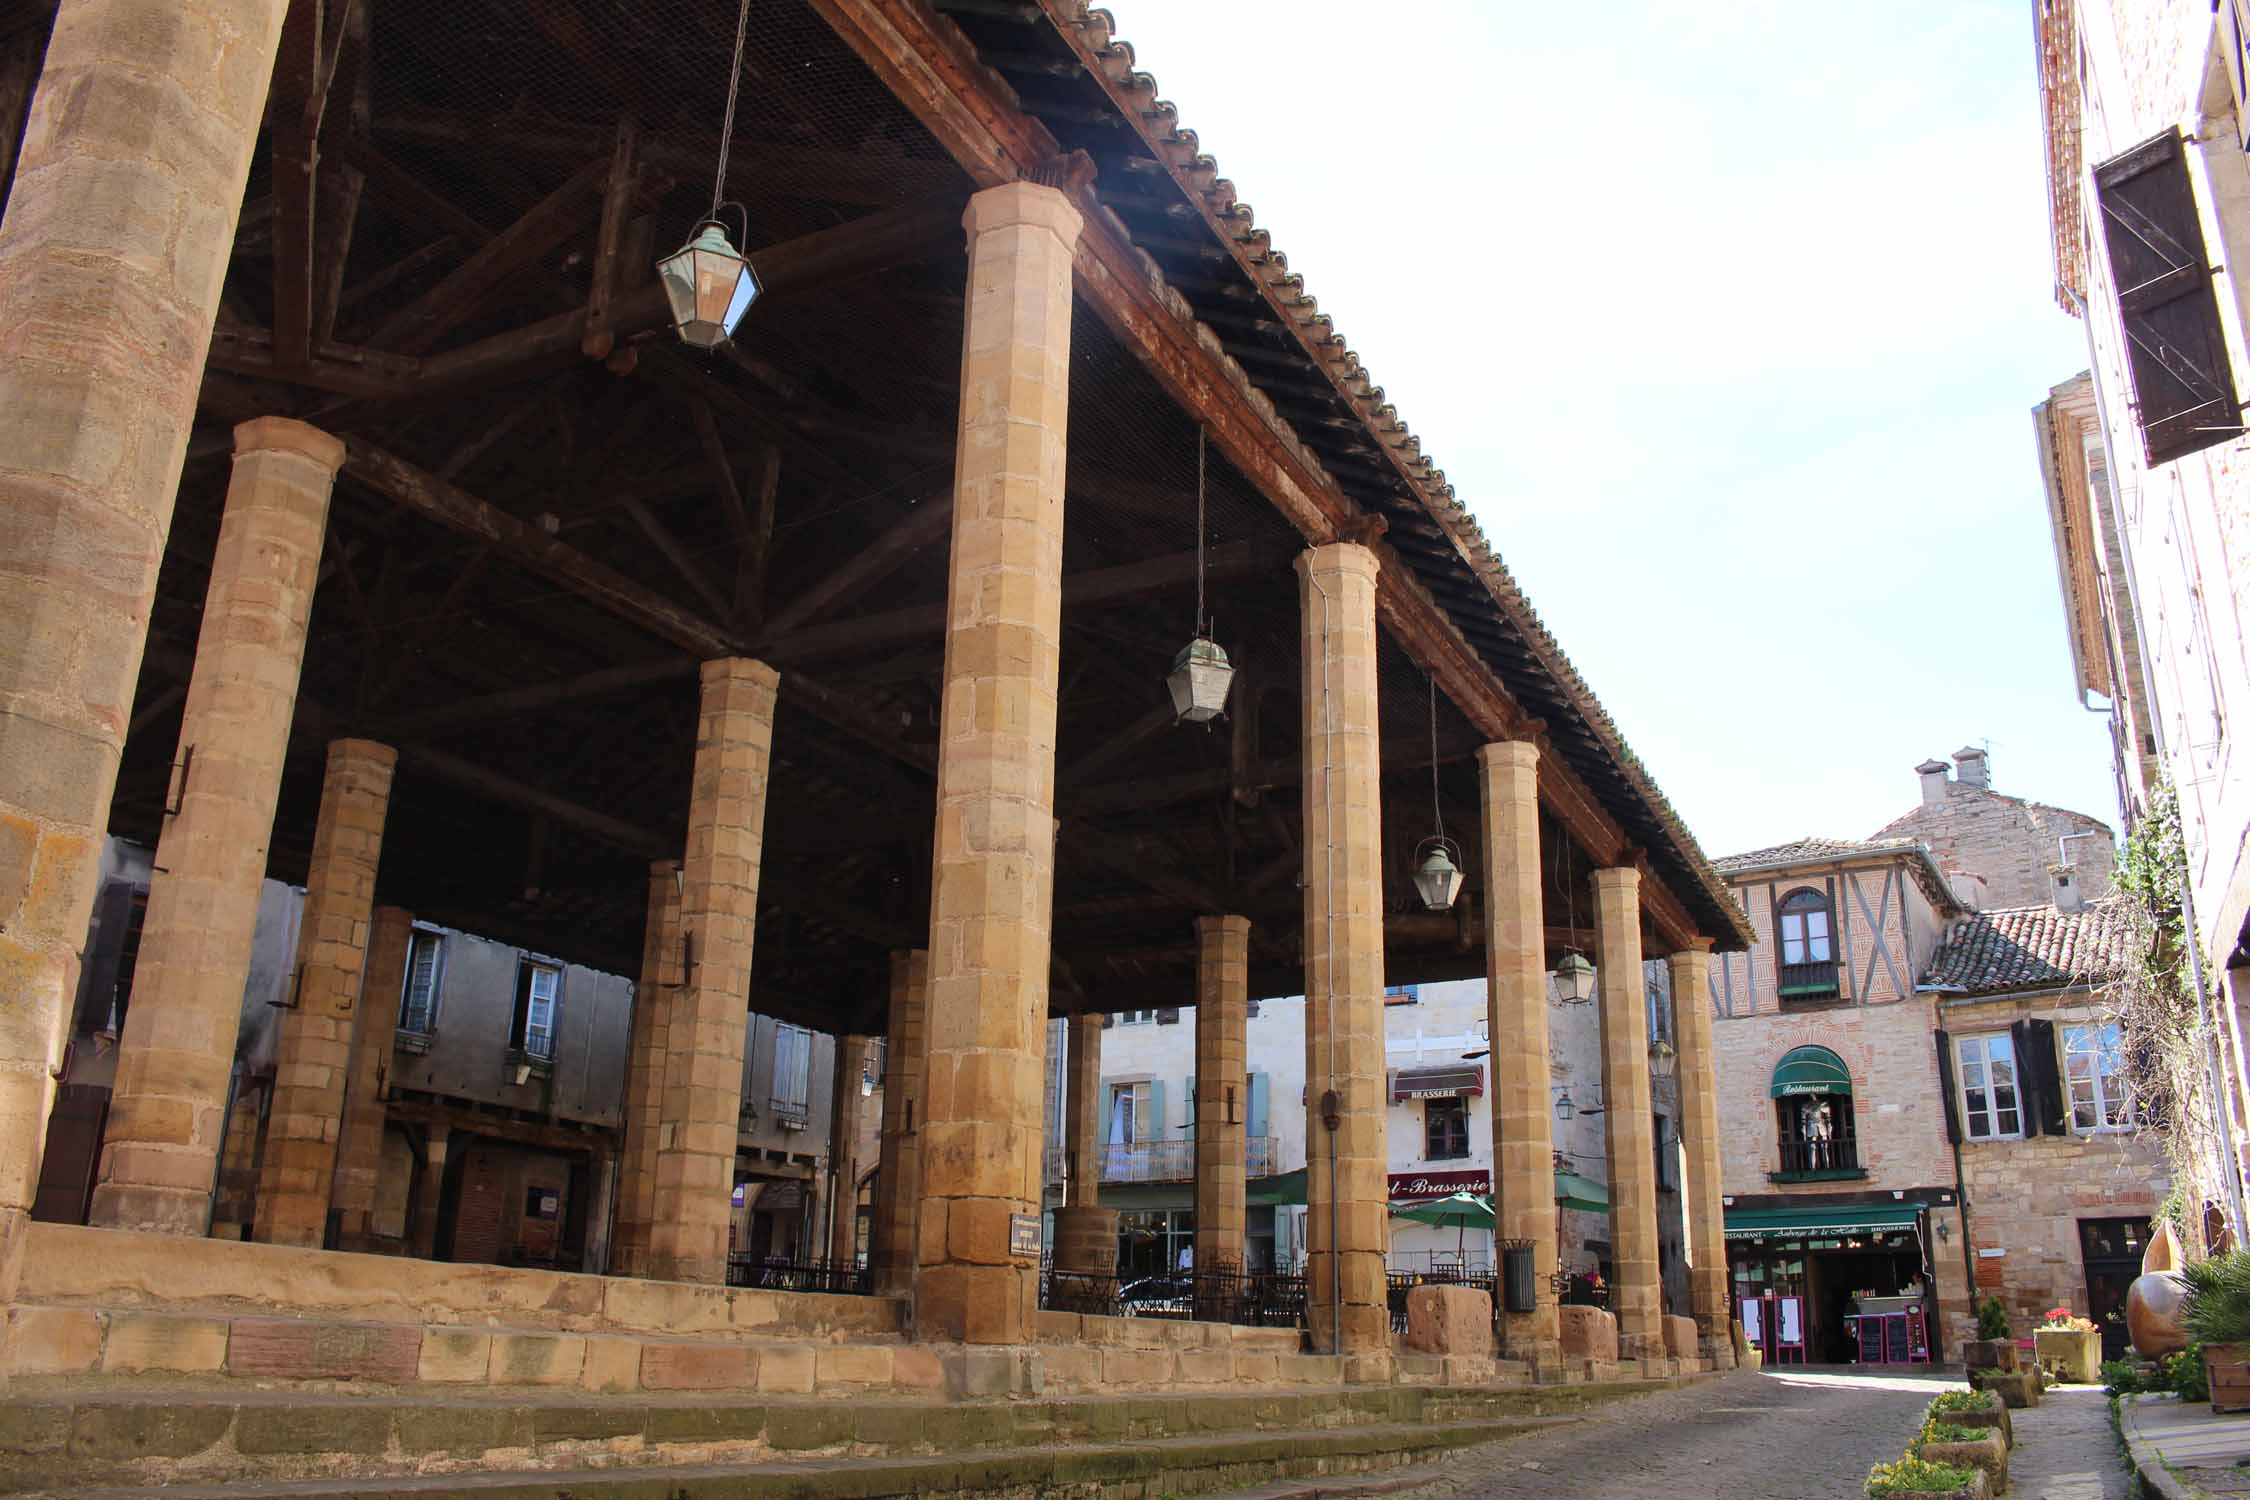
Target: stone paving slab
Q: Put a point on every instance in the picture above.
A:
(2184, 1450)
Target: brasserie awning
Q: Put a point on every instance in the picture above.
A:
(1437, 1083)
(1794, 1223)
(1810, 1070)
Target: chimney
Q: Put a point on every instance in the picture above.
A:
(2062, 881)
(1934, 775)
(1973, 770)
(1967, 889)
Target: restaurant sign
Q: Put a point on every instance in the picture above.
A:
(1425, 1187)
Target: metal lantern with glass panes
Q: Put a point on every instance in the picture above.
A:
(1200, 679)
(707, 282)
(709, 286)
(1574, 978)
(1663, 1059)
(1437, 872)
(1565, 1109)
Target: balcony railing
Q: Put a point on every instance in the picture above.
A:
(1838, 1154)
(1814, 981)
(1168, 1161)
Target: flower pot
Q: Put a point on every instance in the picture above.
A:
(2227, 1368)
(2072, 1356)
(1988, 1454)
(1989, 1354)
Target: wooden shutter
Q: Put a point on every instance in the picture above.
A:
(1258, 1097)
(2183, 387)
(1152, 1129)
(1945, 1087)
(2043, 1077)
(2234, 31)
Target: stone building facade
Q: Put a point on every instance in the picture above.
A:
(2147, 468)
(2009, 851)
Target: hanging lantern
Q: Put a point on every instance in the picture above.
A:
(1663, 1059)
(1565, 1111)
(1437, 874)
(1200, 679)
(1574, 978)
(709, 285)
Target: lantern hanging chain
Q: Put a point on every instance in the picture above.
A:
(1202, 436)
(1437, 803)
(734, 90)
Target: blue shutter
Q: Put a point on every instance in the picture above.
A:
(1154, 1129)
(1284, 1246)
(1101, 1129)
(1257, 1116)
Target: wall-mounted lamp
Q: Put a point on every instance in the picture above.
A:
(1943, 1232)
(523, 1073)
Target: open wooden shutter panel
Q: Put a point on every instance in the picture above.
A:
(2183, 385)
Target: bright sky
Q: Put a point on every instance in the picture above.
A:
(1727, 320)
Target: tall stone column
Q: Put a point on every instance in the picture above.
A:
(898, 1178)
(1636, 1294)
(112, 252)
(359, 1160)
(315, 1054)
(994, 868)
(1515, 949)
(846, 1116)
(161, 1144)
(1699, 1128)
(1085, 1232)
(1347, 1219)
(695, 1146)
(649, 1049)
(429, 1191)
(1222, 1090)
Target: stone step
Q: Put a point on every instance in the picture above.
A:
(172, 1434)
(1169, 1466)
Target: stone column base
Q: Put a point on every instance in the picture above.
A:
(1543, 1357)
(1086, 1240)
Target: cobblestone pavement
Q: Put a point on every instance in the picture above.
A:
(1776, 1435)
(2066, 1450)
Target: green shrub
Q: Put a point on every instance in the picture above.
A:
(2182, 1375)
(2218, 1299)
(1992, 1320)
(2122, 1377)
(1947, 1432)
(1912, 1476)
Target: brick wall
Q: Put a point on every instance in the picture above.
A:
(2009, 842)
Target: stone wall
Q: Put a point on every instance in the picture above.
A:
(2010, 842)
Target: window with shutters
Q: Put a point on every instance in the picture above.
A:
(1991, 1108)
(792, 1075)
(2183, 384)
(1445, 1129)
(418, 997)
(2094, 1068)
(1805, 934)
(538, 994)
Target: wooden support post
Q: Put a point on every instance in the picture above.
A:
(617, 202)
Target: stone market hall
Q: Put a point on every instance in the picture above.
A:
(367, 523)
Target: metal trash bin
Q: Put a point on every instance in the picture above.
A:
(1518, 1286)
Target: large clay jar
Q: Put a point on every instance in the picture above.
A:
(2157, 1298)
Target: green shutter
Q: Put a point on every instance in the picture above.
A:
(1154, 1129)
(1258, 1092)
(1284, 1248)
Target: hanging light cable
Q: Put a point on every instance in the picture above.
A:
(707, 282)
(1437, 868)
(1574, 976)
(1201, 675)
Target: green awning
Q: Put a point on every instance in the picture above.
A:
(1810, 1070)
(1789, 1223)
(1574, 1191)
(1281, 1188)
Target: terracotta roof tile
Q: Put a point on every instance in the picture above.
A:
(2033, 947)
(1808, 848)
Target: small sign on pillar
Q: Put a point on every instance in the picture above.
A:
(1023, 1236)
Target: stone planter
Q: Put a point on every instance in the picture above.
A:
(1989, 1354)
(2018, 1388)
(1978, 1488)
(1988, 1454)
(2227, 1368)
(2072, 1357)
(1994, 1416)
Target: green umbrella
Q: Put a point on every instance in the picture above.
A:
(1464, 1211)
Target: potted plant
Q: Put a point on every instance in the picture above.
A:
(2217, 1316)
(1994, 1347)
(2070, 1348)
(1919, 1479)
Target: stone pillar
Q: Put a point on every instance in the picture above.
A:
(112, 253)
(1222, 1090)
(983, 1139)
(1636, 1294)
(650, 1047)
(898, 1178)
(718, 920)
(359, 1160)
(1347, 1222)
(846, 1115)
(316, 1031)
(160, 1147)
(1085, 1232)
(1699, 1129)
(429, 1192)
(1515, 950)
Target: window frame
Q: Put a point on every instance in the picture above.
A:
(520, 1029)
(1433, 1110)
(1971, 1117)
(1801, 905)
(791, 1097)
(2115, 1078)
(416, 937)
(1842, 1146)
